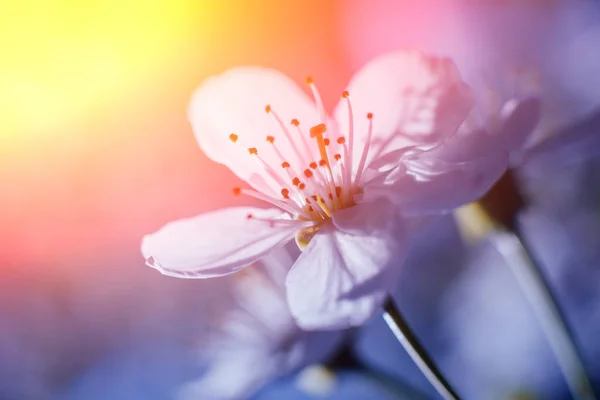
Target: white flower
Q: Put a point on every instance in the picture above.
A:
(337, 184)
(252, 337)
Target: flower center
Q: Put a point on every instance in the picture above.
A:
(315, 177)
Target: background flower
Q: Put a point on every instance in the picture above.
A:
(496, 44)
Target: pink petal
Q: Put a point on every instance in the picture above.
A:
(441, 187)
(345, 273)
(234, 102)
(517, 121)
(215, 243)
(415, 99)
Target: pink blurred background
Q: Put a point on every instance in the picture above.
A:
(95, 145)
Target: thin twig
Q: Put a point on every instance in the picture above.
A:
(411, 344)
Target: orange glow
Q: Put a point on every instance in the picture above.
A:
(63, 60)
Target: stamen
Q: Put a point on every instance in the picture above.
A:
(233, 137)
(318, 100)
(287, 134)
(272, 173)
(300, 223)
(348, 151)
(316, 132)
(296, 123)
(337, 157)
(289, 207)
(270, 139)
(308, 173)
(237, 191)
(285, 193)
(285, 164)
(363, 158)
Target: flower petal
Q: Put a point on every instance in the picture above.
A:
(439, 187)
(415, 99)
(345, 273)
(235, 102)
(519, 118)
(574, 144)
(215, 243)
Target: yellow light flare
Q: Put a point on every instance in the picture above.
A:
(61, 60)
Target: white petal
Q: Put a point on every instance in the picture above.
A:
(440, 187)
(517, 120)
(343, 276)
(215, 243)
(415, 99)
(234, 102)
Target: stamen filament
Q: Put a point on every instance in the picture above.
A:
(289, 207)
(281, 221)
(286, 133)
(318, 100)
(272, 173)
(363, 158)
(349, 151)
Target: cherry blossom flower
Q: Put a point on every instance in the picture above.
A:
(252, 338)
(340, 185)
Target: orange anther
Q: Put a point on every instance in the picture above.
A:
(309, 80)
(308, 173)
(301, 186)
(295, 122)
(317, 130)
(338, 191)
(322, 163)
(253, 151)
(296, 181)
(326, 141)
(285, 164)
(270, 139)
(233, 137)
(237, 191)
(314, 197)
(268, 108)
(285, 193)
(337, 157)
(330, 196)
(370, 115)
(341, 140)
(345, 94)
(313, 165)
(249, 216)
(310, 209)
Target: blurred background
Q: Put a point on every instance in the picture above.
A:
(96, 151)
